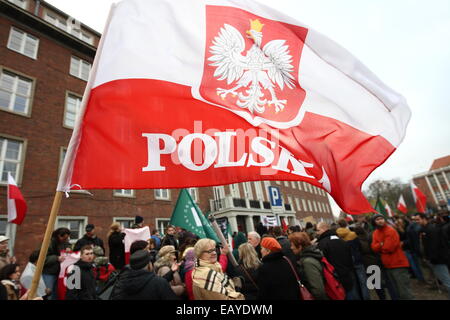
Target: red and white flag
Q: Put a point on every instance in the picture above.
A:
(70, 258)
(401, 205)
(17, 207)
(389, 210)
(132, 235)
(419, 198)
(201, 93)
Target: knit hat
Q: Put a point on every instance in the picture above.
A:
(139, 259)
(166, 250)
(271, 244)
(375, 217)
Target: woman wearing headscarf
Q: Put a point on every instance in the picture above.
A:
(209, 280)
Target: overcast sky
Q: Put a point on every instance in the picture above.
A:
(405, 42)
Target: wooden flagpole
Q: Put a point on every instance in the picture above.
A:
(45, 244)
(58, 196)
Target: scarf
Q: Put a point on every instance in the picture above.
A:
(209, 276)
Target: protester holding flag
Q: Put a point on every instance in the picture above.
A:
(210, 282)
(386, 241)
(85, 269)
(59, 242)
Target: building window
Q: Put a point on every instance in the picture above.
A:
(310, 206)
(73, 106)
(125, 223)
(23, 43)
(62, 156)
(194, 193)
(76, 226)
(162, 224)
(297, 203)
(293, 184)
(10, 158)
(15, 92)
(278, 182)
(315, 206)
(20, 3)
(248, 193)
(80, 68)
(291, 203)
(299, 185)
(234, 190)
(127, 193)
(68, 26)
(259, 191)
(162, 194)
(305, 208)
(310, 188)
(286, 184)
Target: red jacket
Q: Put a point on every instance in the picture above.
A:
(386, 241)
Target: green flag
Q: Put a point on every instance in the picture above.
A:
(187, 215)
(379, 207)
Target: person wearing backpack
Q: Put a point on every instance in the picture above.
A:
(309, 263)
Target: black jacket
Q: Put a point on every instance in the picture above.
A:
(52, 265)
(435, 245)
(276, 280)
(87, 290)
(413, 238)
(249, 277)
(116, 250)
(368, 256)
(145, 285)
(339, 254)
(169, 240)
(87, 241)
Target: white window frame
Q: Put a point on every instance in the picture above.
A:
(299, 185)
(194, 194)
(161, 197)
(291, 203)
(79, 75)
(121, 194)
(62, 154)
(157, 221)
(315, 206)
(20, 162)
(258, 190)
(304, 203)
(278, 182)
(83, 224)
(310, 188)
(293, 184)
(310, 206)
(234, 190)
(18, 76)
(248, 192)
(121, 219)
(22, 4)
(25, 37)
(77, 109)
(297, 202)
(286, 184)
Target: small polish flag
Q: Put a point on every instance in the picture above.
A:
(401, 205)
(132, 235)
(388, 210)
(17, 208)
(419, 198)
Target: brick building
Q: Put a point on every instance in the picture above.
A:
(435, 183)
(45, 59)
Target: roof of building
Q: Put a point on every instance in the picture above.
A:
(440, 163)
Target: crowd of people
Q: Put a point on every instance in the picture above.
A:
(318, 262)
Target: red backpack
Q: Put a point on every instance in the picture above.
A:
(333, 288)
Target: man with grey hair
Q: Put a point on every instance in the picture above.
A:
(255, 240)
(339, 254)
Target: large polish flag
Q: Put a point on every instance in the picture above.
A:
(213, 92)
(401, 205)
(419, 198)
(17, 207)
(132, 235)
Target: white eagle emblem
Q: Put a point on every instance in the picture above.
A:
(259, 69)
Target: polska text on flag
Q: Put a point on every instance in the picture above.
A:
(201, 93)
